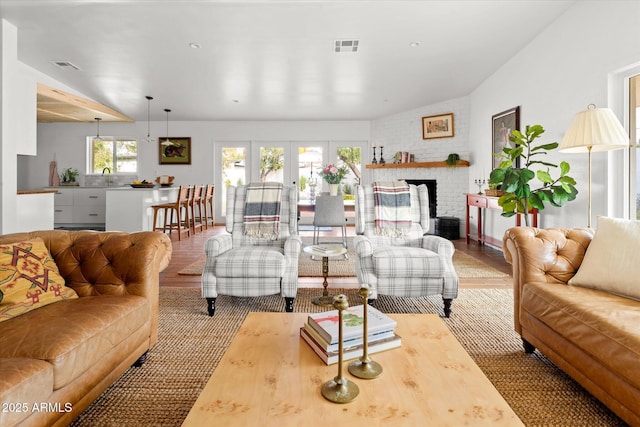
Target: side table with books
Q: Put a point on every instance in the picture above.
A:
(325, 252)
(320, 332)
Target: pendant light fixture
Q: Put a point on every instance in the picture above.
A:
(167, 142)
(149, 139)
(97, 137)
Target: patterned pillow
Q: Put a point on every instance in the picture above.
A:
(29, 278)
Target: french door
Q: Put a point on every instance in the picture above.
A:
(296, 163)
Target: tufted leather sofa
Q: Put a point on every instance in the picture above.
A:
(57, 359)
(592, 335)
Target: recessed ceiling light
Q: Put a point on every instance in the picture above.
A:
(414, 44)
(194, 45)
(236, 101)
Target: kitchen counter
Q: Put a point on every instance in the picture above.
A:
(42, 191)
(129, 209)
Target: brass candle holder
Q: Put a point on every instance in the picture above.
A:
(365, 368)
(340, 389)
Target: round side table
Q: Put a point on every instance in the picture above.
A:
(329, 252)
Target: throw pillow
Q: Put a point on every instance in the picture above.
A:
(29, 278)
(612, 260)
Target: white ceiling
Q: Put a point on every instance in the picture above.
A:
(273, 60)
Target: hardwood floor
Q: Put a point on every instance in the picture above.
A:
(190, 249)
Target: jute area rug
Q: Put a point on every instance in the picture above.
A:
(466, 266)
(191, 343)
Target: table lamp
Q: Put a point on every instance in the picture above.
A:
(594, 129)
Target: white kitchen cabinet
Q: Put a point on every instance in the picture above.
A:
(80, 206)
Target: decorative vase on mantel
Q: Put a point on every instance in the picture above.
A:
(333, 189)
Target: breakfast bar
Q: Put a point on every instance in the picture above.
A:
(129, 209)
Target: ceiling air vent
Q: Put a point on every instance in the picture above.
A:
(346, 46)
(65, 65)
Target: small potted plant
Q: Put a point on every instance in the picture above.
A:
(68, 177)
(453, 159)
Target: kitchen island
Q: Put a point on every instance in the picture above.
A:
(34, 209)
(129, 209)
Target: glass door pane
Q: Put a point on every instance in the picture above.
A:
(349, 154)
(309, 164)
(272, 163)
(232, 172)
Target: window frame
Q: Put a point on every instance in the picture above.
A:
(113, 139)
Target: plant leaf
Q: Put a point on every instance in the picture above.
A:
(548, 147)
(545, 177)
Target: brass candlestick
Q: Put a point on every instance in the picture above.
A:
(364, 367)
(340, 389)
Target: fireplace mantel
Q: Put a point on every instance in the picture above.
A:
(460, 164)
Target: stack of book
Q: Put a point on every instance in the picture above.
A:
(321, 333)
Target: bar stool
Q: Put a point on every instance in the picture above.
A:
(207, 203)
(195, 201)
(179, 208)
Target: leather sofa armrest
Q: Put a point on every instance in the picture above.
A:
(108, 263)
(544, 256)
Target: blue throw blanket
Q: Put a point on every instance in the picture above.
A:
(262, 210)
(392, 201)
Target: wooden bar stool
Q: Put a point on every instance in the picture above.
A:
(207, 203)
(195, 209)
(181, 211)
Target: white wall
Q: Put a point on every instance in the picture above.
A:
(558, 74)
(17, 124)
(403, 132)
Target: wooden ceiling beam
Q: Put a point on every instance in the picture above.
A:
(55, 105)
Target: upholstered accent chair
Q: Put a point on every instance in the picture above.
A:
(408, 264)
(244, 265)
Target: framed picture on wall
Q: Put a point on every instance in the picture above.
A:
(437, 126)
(174, 150)
(502, 124)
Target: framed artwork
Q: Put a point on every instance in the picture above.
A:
(174, 150)
(502, 124)
(437, 126)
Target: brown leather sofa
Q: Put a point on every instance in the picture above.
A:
(591, 335)
(57, 359)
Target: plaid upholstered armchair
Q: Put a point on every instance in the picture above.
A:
(260, 254)
(394, 253)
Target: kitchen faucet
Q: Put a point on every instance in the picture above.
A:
(108, 177)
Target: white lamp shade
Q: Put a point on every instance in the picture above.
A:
(596, 128)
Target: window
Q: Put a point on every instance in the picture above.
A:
(118, 154)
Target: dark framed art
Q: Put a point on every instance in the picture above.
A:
(502, 124)
(174, 150)
(440, 126)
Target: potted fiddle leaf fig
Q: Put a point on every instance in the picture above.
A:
(516, 181)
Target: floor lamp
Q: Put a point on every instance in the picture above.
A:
(595, 129)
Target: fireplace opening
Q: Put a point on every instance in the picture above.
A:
(432, 188)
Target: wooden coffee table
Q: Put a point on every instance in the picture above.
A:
(270, 377)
